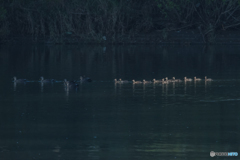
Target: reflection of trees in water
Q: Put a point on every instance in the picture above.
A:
(128, 62)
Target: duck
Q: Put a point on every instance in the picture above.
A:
(176, 80)
(197, 79)
(15, 80)
(164, 82)
(144, 81)
(156, 81)
(85, 79)
(169, 80)
(187, 79)
(136, 82)
(123, 81)
(71, 85)
(70, 82)
(116, 81)
(42, 80)
(208, 79)
(65, 81)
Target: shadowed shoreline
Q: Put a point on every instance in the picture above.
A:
(181, 37)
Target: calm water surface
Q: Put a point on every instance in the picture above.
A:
(102, 120)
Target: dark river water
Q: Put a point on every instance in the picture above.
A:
(104, 121)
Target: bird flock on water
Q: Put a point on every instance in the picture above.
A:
(67, 84)
(163, 80)
(75, 84)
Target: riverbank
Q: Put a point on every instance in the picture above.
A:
(180, 37)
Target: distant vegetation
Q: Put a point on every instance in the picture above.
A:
(98, 19)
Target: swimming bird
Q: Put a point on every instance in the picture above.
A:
(15, 80)
(164, 82)
(144, 81)
(169, 80)
(42, 80)
(197, 79)
(123, 81)
(208, 79)
(65, 81)
(71, 85)
(136, 82)
(187, 79)
(156, 81)
(177, 80)
(85, 79)
(70, 82)
(116, 81)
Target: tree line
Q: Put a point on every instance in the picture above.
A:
(98, 19)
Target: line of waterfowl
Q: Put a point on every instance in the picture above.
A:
(163, 81)
(73, 84)
(67, 84)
